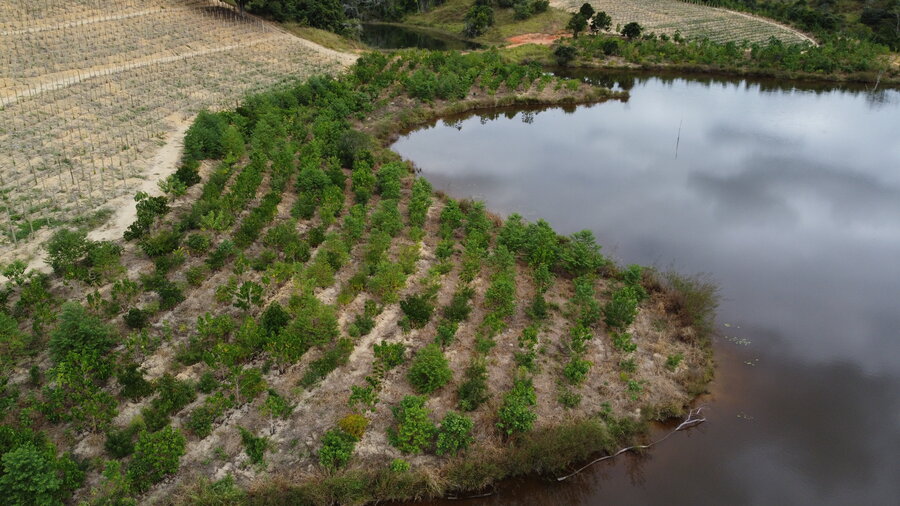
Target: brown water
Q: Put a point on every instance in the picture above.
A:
(789, 199)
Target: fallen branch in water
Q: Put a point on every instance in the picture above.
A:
(692, 420)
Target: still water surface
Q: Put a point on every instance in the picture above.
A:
(387, 36)
(789, 199)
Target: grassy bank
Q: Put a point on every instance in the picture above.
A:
(834, 60)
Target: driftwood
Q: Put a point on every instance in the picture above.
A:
(691, 420)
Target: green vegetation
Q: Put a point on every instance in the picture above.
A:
(414, 430)
(301, 235)
(156, 455)
(430, 370)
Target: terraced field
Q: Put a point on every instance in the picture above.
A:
(692, 20)
(95, 94)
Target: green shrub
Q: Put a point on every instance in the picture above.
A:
(430, 370)
(473, 391)
(363, 182)
(203, 139)
(576, 370)
(273, 319)
(134, 386)
(455, 434)
(251, 383)
(458, 309)
(173, 396)
(569, 398)
(623, 342)
(399, 466)
(337, 448)
(208, 383)
(135, 318)
(672, 361)
(414, 431)
(417, 309)
(390, 354)
(254, 446)
(329, 361)
(276, 405)
(446, 332)
(80, 332)
(120, 443)
(516, 414)
(620, 311)
(156, 455)
(315, 324)
(581, 254)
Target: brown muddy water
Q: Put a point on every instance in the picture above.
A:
(789, 199)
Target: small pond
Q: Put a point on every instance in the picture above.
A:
(789, 199)
(390, 36)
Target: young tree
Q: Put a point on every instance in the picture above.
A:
(577, 24)
(632, 30)
(586, 10)
(601, 22)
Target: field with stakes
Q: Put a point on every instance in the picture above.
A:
(691, 19)
(96, 94)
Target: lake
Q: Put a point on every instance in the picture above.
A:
(390, 36)
(787, 197)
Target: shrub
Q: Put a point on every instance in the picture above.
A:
(134, 386)
(337, 447)
(430, 370)
(564, 54)
(156, 456)
(473, 391)
(204, 138)
(458, 309)
(581, 254)
(329, 361)
(135, 318)
(277, 405)
(80, 332)
(516, 414)
(414, 431)
(273, 319)
(251, 383)
(418, 309)
(30, 470)
(316, 324)
(620, 311)
(208, 383)
(399, 466)
(363, 182)
(248, 295)
(576, 370)
(120, 443)
(455, 434)
(672, 361)
(622, 341)
(390, 354)
(446, 332)
(569, 398)
(354, 425)
(254, 446)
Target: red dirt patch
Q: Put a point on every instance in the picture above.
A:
(544, 39)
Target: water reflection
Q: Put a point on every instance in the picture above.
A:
(789, 196)
(388, 36)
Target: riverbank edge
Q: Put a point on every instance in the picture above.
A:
(544, 453)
